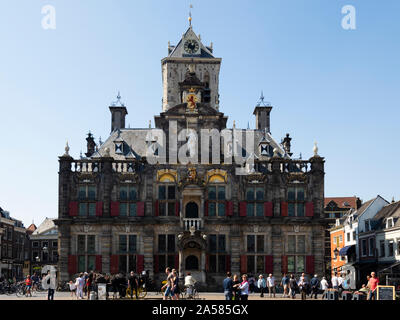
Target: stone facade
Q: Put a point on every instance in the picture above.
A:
(120, 212)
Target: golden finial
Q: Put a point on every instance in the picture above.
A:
(190, 15)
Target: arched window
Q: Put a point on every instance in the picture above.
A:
(192, 210)
(192, 263)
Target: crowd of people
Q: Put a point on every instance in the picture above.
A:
(234, 289)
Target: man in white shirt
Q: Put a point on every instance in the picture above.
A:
(189, 283)
(80, 283)
(335, 281)
(324, 287)
(271, 285)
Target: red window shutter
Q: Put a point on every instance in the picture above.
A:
(73, 208)
(177, 262)
(269, 264)
(177, 207)
(309, 209)
(228, 262)
(310, 264)
(99, 208)
(284, 209)
(207, 262)
(114, 209)
(140, 208)
(114, 264)
(99, 266)
(268, 211)
(284, 264)
(229, 208)
(243, 263)
(206, 208)
(139, 263)
(156, 264)
(72, 264)
(156, 212)
(243, 208)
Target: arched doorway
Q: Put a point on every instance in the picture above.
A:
(192, 263)
(192, 210)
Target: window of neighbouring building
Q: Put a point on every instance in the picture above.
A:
(382, 248)
(217, 249)
(354, 236)
(390, 248)
(255, 201)
(364, 247)
(216, 200)
(371, 246)
(128, 197)
(166, 200)
(296, 201)
(348, 236)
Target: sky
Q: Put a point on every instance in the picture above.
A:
(327, 84)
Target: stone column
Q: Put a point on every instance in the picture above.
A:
(64, 249)
(106, 247)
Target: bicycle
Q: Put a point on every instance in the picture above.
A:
(187, 294)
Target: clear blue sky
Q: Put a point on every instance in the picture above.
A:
(338, 87)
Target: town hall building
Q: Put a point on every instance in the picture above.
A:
(143, 201)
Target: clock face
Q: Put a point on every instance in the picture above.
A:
(191, 46)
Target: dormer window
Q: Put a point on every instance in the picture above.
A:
(389, 223)
(119, 148)
(367, 225)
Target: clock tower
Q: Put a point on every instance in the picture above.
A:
(190, 56)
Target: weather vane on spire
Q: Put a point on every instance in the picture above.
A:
(190, 15)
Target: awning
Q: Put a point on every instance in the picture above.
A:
(346, 250)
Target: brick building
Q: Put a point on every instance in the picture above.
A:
(119, 211)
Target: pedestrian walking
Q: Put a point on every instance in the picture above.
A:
(50, 282)
(228, 286)
(335, 281)
(133, 284)
(315, 284)
(324, 287)
(244, 288)
(261, 284)
(175, 287)
(72, 288)
(28, 285)
(168, 286)
(236, 289)
(285, 286)
(271, 285)
(293, 286)
(303, 287)
(80, 283)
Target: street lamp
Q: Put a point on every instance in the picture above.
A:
(336, 252)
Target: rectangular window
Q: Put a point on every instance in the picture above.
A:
(213, 243)
(162, 265)
(212, 263)
(301, 244)
(221, 243)
(167, 199)
(390, 248)
(81, 263)
(354, 236)
(348, 236)
(250, 264)
(91, 244)
(382, 248)
(300, 264)
(364, 247)
(35, 244)
(132, 243)
(296, 201)
(291, 244)
(251, 244)
(371, 246)
(291, 266)
(255, 201)
(123, 245)
(162, 243)
(81, 243)
(171, 243)
(216, 201)
(260, 243)
(221, 263)
(91, 263)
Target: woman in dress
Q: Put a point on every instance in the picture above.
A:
(175, 288)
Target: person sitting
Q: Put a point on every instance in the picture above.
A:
(189, 283)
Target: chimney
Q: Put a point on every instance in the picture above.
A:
(262, 111)
(118, 113)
